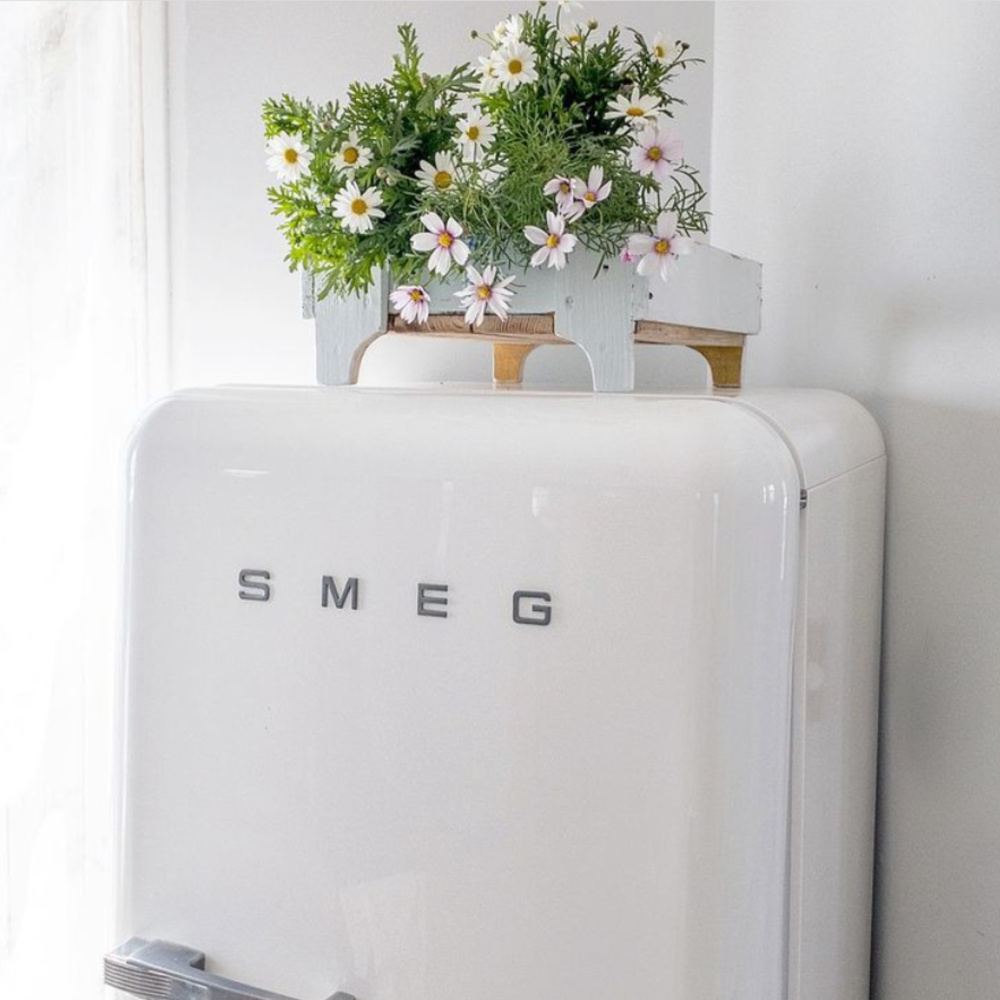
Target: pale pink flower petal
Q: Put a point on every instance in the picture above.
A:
(424, 242)
(442, 242)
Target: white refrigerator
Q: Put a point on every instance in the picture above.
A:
(473, 694)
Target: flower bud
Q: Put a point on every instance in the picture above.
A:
(381, 173)
(592, 24)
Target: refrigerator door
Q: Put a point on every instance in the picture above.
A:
(440, 695)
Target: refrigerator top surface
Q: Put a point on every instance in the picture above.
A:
(827, 432)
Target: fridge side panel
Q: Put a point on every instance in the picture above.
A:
(835, 737)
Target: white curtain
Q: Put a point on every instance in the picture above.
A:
(77, 360)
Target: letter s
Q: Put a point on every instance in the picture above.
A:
(254, 590)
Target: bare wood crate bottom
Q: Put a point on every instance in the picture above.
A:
(516, 337)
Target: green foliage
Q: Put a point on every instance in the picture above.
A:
(554, 126)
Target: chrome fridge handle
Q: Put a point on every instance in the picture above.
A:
(158, 970)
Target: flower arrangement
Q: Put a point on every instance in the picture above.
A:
(560, 138)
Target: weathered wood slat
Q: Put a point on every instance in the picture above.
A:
(345, 327)
(649, 331)
(517, 329)
(709, 289)
(597, 314)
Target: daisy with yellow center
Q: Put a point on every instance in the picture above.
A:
(508, 30)
(553, 245)
(562, 188)
(665, 51)
(351, 155)
(573, 36)
(476, 133)
(489, 79)
(635, 109)
(515, 65)
(412, 303)
(485, 291)
(593, 190)
(656, 153)
(441, 241)
(439, 175)
(357, 209)
(288, 157)
(658, 253)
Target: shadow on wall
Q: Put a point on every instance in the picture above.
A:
(940, 738)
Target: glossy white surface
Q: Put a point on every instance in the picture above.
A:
(413, 808)
(835, 735)
(828, 433)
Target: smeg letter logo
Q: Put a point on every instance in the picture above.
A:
(528, 607)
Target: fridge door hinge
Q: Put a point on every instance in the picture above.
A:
(803, 499)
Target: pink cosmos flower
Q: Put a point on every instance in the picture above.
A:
(412, 302)
(660, 251)
(485, 290)
(442, 242)
(588, 193)
(656, 153)
(562, 188)
(554, 244)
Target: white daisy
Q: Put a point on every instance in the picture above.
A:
(508, 30)
(663, 50)
(356, 208)
(486, 290)
(562, 188)
(489, 79)
(554, 244)
(411, 302)
(588, 193)
(476, 133)
(635, 109)
(566, 5)
(288, 157)
(442, 242)
(352, 155)
(516, 65)
(660, 251)
(573, 35)
(656, 152)
(439, 175)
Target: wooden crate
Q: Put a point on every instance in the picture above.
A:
(711, 303)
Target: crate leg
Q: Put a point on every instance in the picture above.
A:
(344, 329)
(508, 362)
(597, 314)
(726, 363)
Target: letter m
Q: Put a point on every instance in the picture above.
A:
(340, 599)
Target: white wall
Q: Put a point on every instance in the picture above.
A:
(857, 153)
(235, 307)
